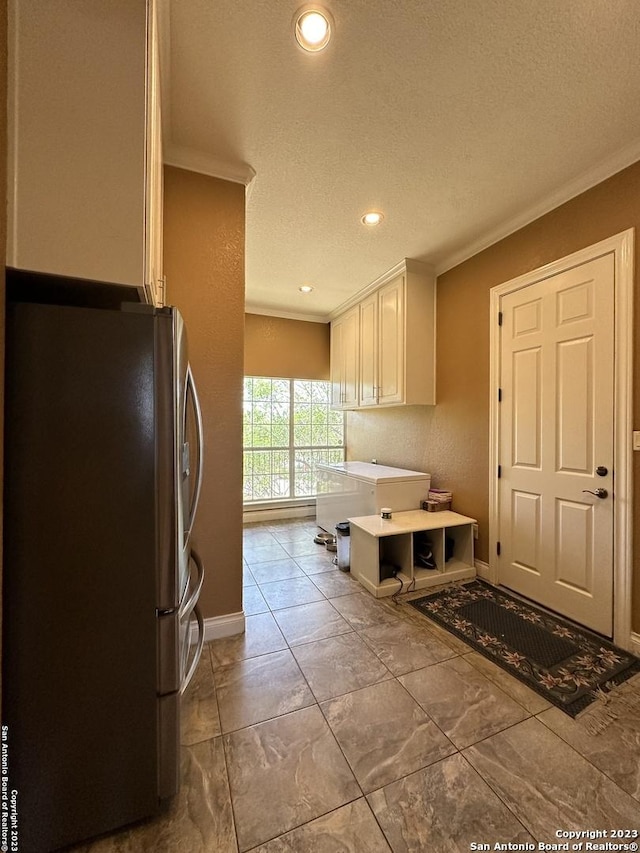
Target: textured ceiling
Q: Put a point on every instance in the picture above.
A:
(459, 119)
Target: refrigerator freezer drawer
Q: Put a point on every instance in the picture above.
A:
(168, 664)
(168, 745)
(173, 629)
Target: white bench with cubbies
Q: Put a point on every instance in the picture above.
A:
(377, 542)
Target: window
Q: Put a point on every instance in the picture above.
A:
(289, 428)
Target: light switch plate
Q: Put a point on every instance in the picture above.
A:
(636, 439)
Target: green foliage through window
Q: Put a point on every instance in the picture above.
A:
(288, 428)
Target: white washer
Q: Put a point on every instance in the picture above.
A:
(351, 489)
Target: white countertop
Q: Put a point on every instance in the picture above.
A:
(409, 522)
(372, 473)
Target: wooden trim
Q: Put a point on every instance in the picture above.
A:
(196, 161)
(290, 510)
(619, 161)
(406, 265)
(265, 311)
(219, 627)
(483, 570)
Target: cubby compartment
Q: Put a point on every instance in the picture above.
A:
(395, 551)
(394, 561)
(427, 543)
(461, 555)
(387, 551)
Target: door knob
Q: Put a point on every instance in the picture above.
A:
(599, 493)
(601, 471)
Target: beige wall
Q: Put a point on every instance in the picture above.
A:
(204, 264)
(451, 440)
(291, 349)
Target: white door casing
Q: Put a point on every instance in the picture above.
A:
(565, 410)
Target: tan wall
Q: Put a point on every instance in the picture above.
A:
(451, 439)
(290, 349)
(204, 264)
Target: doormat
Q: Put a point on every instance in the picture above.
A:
(568, 665)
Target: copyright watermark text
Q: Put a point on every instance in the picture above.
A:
(8, 800)
(612, 840)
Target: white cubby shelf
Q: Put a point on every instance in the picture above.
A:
(377, 542)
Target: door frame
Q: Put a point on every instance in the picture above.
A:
(622, 247)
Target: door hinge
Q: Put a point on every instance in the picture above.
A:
(498, 548)
(499, 318)
(499, 395)
(499, 471)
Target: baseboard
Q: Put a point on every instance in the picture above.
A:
(218, 627)
(277, 513)
(634, 643)
(483, 570)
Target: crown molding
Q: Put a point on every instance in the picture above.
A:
(196, 161)
(405, 265)
(605, 169)
(252, 308)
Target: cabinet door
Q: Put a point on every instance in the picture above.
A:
(345, 358)
(391, 342)
(368, 351)
(336, 359)
(351, 358)
(77, 122)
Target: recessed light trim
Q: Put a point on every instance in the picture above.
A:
(372, 218)
(305, 288)
(313, 27)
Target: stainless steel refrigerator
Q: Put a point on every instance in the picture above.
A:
(103, 462)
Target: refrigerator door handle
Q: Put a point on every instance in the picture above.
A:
(190, 603)
(198, 415)
(198, 650)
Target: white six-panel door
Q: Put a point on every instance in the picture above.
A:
(556, 438)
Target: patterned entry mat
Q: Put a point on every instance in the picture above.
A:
(568, 665)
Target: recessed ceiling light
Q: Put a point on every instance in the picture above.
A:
(373, 217)
(312, 26)
(306, 288)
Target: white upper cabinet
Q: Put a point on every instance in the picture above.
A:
(396, 346)
(85, 156)
(344, 360)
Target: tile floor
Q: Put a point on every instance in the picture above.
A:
(342, 723)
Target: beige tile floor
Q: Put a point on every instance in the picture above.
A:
(342, 723)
